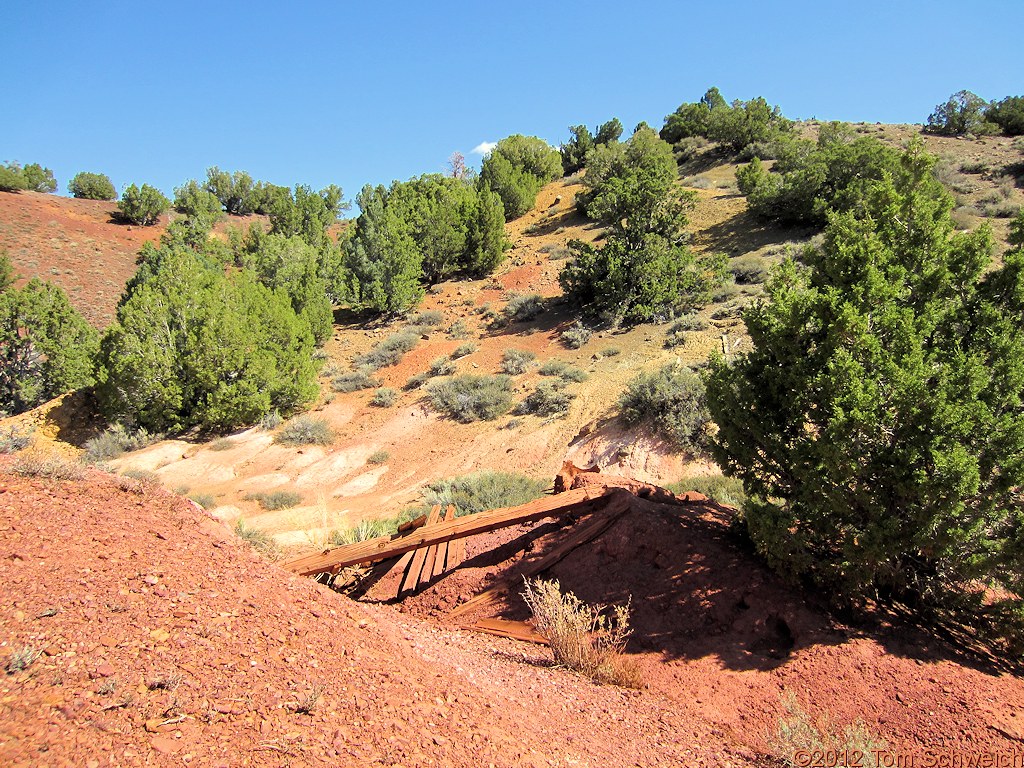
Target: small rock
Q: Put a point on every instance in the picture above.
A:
(165, 745)
(106, 670)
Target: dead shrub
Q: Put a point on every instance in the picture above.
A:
(586, 638)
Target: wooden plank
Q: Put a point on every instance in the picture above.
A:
(456, 552)
(517, 630)
(412, 578)
(441, 550)
(579, 502)
(593, 528)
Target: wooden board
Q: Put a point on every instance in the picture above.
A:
(517, 630)
(442, 550)
(579, 502)
(585, 532)
(412, 578)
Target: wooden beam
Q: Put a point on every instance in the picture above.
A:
(441, 550)
(456, 552)
(585, 532)
(412, 578)
(517, 630)
(580, 502)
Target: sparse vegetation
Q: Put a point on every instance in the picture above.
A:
(39, 463)
(798, 734)
(276, 500)
(430, 318)
(378, 457)
(14, 439)
(353, 381)
(385, 397)
(146, 476)
(550, 398)
(458, 330)
(589, 639)
(22, 659)
(724, 490)
(482, 491)
(516, 361)
(442, 366)
(115, 441)
(522, 308)
(305, 430)
(672, 401)
(576, 336)
(563, 370)
(258, 540)
(463, 349)
(204, 500)
(388, 352)
(749, 269)
(472, 398)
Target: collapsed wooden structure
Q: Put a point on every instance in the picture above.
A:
(430, 546)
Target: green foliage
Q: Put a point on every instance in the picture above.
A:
(550, 398)
(92, 186)
(276, 500)
(574, 151)
(750, 270)
(305, 430)
(810, 179)
(12, 178)
(193, 200)
(516, 361)
(290, 264)
(441, 366)
(46, 348)
(608, 133)
(879, 413)
(429, 229)
(516, 169)
(799, 734)
(195, 347)
(643, 269)
(962, 114)
(1008, 114)
(142, 206)
(304, 214)
(472, 398)
(233, 190)
(672, 401)
(7, 275)
(385, 397)
(387, 352)
(39, 179)
(735, 127)
(483, 491)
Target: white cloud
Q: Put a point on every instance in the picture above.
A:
(484, 148)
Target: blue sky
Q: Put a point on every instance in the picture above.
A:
(347, 93)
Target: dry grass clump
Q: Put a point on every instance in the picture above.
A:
(799, 735)
(259, 540)
(49, 465)
(583, 637)
(305, 430)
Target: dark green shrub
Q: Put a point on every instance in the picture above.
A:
(193, 200)
(92, 186)
(388, 352)
(516, 169)
(964, 113)
(305, 430)
(12, 178)
(39, 179)
(516, 361)
(672, 401)
(1008, 114)
(235, 191)
(353, 382)
(142, 206)
(385, 397)
(472, 398)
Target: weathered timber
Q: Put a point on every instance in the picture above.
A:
(441, 550)
(587, 531)
(517, 630)
(579, 502)
(412, 578)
